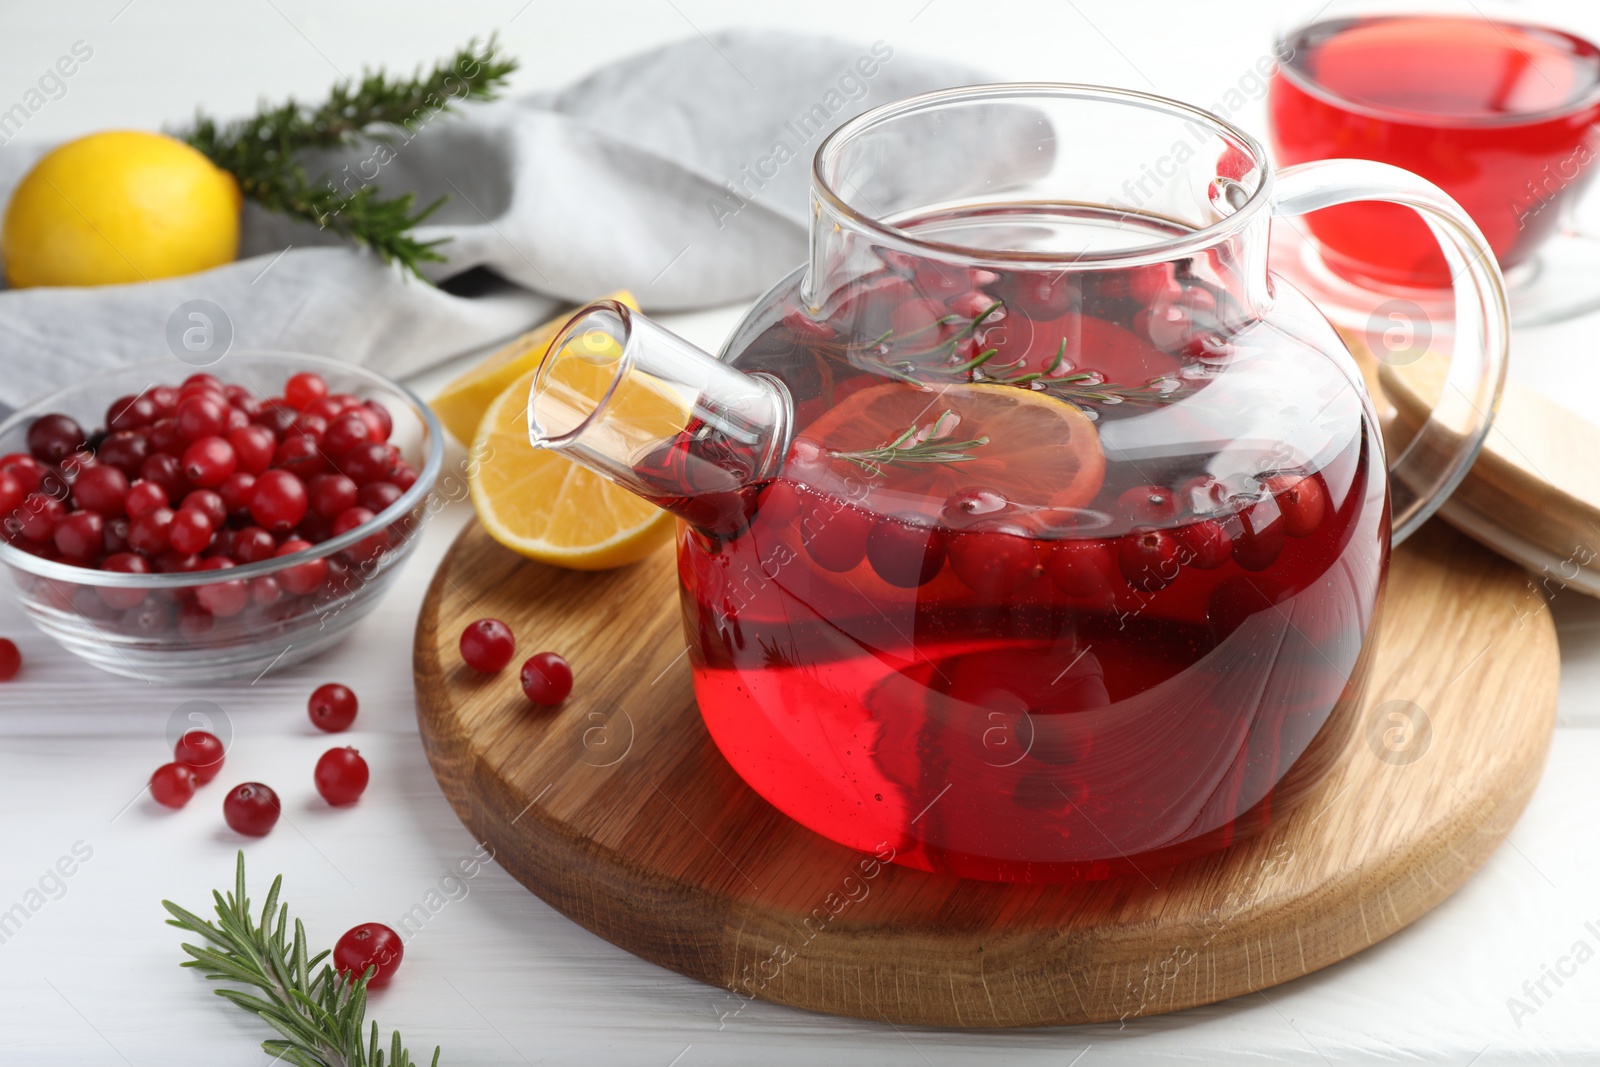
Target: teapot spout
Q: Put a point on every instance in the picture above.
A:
(632, 401)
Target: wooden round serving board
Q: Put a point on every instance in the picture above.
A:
(618, 810)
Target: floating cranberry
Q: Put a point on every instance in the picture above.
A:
(546, 679)
(251, 809)
(172, 785)
(1083, 567)
(201, 752)
(1179, 322)
(1145, 284)
(369, 947)
(1148, 505)
(487, 645)
(10, 659)
(101, 488)
(341, 776)
(332, 707)
(994, 557)
(1302, 500)
(834, 533)
(1040, 295)
(920, 324)
(52, 438)
(905, 551)
(1149, 559)
(1203, 495)
(970, 305)
(1259, 541)
(966, 506)
(1205, 544)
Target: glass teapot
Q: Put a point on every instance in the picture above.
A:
(1032, 531)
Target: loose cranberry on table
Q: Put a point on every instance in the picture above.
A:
(341, 776)
(370, 945)
(487, 645)
(251, 809)
(546, 679)
(10, 659)
(172, 785)
(332, 707)
(201, 752)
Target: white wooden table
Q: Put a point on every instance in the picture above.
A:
(493, 974)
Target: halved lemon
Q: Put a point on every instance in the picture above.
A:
(461, 404)
(544, 506)
(1037, 450)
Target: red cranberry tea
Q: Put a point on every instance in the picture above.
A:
(1499, 115)
(1047, 585)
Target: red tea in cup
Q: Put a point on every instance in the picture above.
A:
(1500, 115)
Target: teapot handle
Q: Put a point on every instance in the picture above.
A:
(1430, 467)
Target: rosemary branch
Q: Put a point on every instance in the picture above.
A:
(934, 364)
(320, 1014)
(263, 152)
(926, 444)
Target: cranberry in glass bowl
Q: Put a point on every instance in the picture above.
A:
(190, 589)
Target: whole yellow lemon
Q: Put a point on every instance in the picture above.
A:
(119, 206)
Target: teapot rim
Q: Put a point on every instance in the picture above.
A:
(1175, 247)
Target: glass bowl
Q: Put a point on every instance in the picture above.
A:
(153, 626)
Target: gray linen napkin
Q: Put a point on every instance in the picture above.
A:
(680, 174)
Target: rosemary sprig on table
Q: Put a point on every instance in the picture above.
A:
(263, 152)
(321, 1014)
(933, 443)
